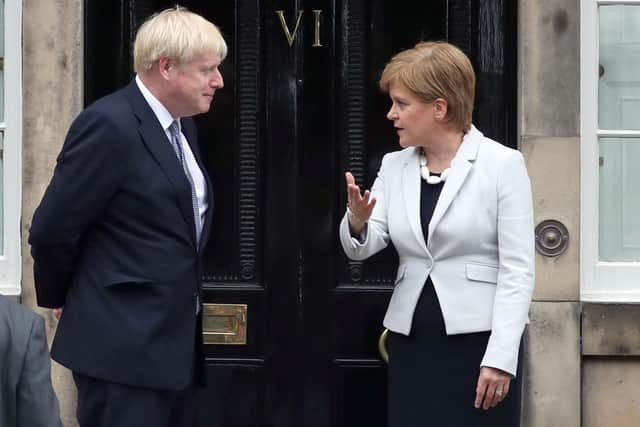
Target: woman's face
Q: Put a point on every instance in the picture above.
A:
(414, 119)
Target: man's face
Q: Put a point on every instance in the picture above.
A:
(194, 84)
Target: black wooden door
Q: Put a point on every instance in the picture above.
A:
(295, 113)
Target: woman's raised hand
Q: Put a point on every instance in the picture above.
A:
(360, 206)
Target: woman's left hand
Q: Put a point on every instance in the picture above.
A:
(492, 388)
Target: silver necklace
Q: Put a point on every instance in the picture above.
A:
(426, 173)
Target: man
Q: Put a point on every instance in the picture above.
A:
(117, 237)
(26, 395)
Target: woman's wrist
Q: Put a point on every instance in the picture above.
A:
(355, 222)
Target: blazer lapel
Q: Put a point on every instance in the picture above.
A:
(460, 167)
(158, 145)
(411, 191)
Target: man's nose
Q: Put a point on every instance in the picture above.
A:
(217, 81)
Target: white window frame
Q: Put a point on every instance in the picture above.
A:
(599, 281)
(10, 260)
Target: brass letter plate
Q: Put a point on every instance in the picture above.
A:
(224, 324)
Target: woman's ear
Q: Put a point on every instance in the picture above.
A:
(440, 108)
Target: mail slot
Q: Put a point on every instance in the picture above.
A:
(224, 324)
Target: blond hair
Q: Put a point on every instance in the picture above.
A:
(177, 34)
(434, 70)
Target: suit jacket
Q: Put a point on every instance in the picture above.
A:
(113, 241)
(26, 395)
(480, 249)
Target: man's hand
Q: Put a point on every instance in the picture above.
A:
(57, 312)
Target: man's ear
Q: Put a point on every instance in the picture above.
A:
(165, 65)
(440, 108)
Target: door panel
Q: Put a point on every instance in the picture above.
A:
(289, 122)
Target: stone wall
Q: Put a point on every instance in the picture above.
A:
(583, 359)
(52, 97)
(549, 127)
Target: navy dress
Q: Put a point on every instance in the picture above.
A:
(432, 376)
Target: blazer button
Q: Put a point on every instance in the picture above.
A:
(429, 264)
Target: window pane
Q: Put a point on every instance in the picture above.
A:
(1, 132)
(619, 56)
(619, 199)
(1, 193)
(1, 61)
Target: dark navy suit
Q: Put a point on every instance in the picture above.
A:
(113, 241)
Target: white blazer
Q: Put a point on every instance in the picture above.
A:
(480, 248)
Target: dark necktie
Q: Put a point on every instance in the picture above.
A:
(177, 147)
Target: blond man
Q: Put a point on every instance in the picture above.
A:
(116, 240)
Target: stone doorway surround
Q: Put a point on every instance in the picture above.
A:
(549, 136)
(52, 97)
(582, 367)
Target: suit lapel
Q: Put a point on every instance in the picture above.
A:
(158, 145)
(411, 190)
(460, 168)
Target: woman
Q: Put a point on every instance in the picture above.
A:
(457, 207)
